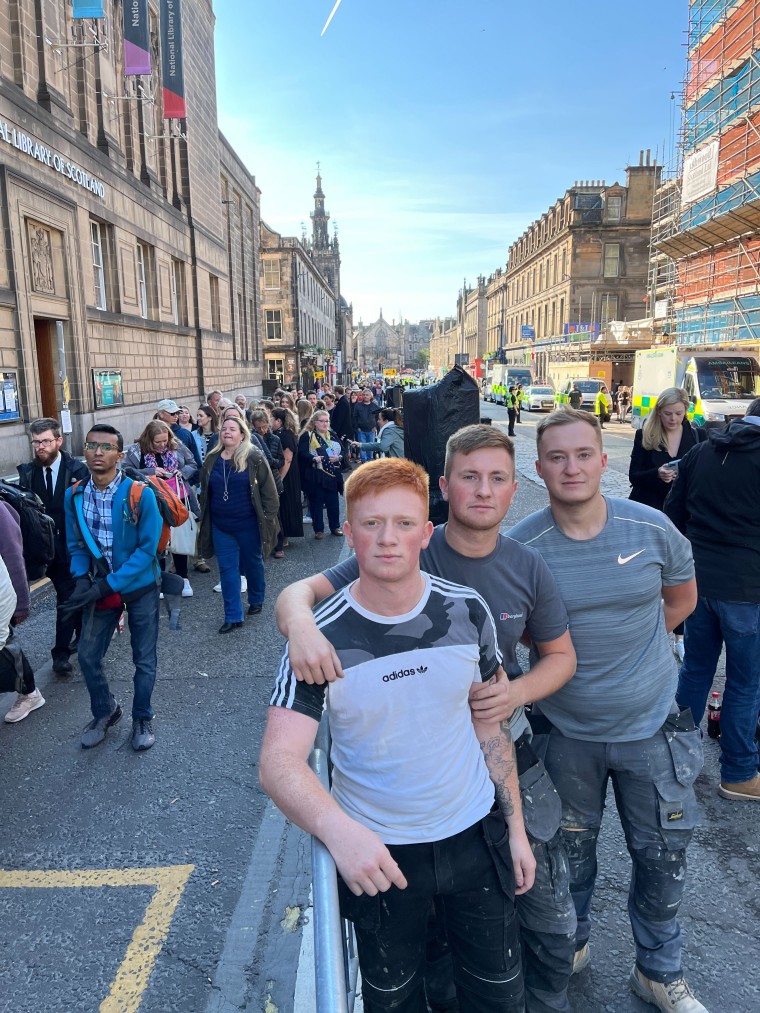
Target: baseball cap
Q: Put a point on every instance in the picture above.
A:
(169, 406)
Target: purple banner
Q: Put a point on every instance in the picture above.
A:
(136, 37)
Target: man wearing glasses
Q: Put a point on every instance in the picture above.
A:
(113, 561)
(49, 475)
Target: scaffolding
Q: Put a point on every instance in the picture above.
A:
(704, 282)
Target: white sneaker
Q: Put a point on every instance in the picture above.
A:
(217, 587)
(187, 591)
(679, 651)
(24, 706)
(243, 585)
(670, 997)
(308, 520)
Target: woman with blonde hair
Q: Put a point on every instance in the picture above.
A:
(239, 522)
(319, 454)
(304, 411)
(287, 401)
(658, 446)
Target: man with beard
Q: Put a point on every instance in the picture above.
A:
(49, 475)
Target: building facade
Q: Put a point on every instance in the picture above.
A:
(445, 341)
(496, 313)
(709, 221)
(115, 276)
(298, 311)
(585, 262)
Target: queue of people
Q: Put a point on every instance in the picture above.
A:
(486, 826)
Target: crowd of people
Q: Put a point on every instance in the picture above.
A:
(467, 794)
(242, 474)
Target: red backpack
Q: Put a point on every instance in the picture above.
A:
(173, 511)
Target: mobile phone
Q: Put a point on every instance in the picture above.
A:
(673, 465)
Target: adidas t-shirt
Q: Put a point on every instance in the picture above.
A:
(625, 683)
(407, 762)
(516, 584)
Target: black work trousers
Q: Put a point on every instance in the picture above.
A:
(471, 877)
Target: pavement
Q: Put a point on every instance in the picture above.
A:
(166, 881)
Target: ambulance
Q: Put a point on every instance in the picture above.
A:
(719, 385)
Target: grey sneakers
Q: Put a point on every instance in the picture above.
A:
(95, 732)
(142, 735)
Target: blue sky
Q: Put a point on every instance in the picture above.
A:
(444, 127)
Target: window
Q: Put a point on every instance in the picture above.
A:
(614, 209)
(98, 269)
(611, 260)
(216, 315)
(274, 326)
(174, 293)
(272, 274)
(564, 265)
(608, 308)
(142, 281)
(276, 368)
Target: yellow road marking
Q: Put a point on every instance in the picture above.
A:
(127, 988)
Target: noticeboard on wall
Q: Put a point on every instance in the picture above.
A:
(9, 407)
(107, 384)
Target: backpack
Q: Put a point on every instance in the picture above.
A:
(173, 511)
(37, 528)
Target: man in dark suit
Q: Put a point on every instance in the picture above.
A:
(49, 475)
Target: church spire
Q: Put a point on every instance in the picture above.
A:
(320, 218)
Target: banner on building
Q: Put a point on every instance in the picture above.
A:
(700, 173)
(173, 77)
(136, 37)
(88, 9)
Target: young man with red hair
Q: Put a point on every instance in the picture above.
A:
(416, 775)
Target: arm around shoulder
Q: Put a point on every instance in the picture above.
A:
(312, 656)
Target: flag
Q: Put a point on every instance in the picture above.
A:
(136, 37)
(173, 77)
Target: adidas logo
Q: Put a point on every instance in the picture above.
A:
(402, 673)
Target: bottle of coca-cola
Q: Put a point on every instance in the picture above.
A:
(713, 716)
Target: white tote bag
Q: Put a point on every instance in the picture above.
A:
(183, 538)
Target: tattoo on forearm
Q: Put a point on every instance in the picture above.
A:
(499, 758)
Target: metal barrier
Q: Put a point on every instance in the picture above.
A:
(336, 966)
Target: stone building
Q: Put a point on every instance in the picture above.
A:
(115, 271)
(379, 346)
(445, 341)
(299, 311)
(496, 312)
(584, 263)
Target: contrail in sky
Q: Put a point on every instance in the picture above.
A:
(332, 15)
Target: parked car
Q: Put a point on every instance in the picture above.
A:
(538, 399)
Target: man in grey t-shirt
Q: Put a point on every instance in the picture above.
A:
(617, 720)
(521, 593)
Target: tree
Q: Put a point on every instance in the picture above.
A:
(423, 358)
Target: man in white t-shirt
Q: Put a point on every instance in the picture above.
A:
(617, 719)
(416, 777)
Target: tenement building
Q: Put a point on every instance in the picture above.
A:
(128, 271)
(584, 262)
(299, 311)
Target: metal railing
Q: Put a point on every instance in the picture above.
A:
(336, 966)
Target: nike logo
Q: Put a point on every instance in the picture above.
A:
(626, 559)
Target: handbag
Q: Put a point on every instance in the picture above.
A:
(183, 538)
